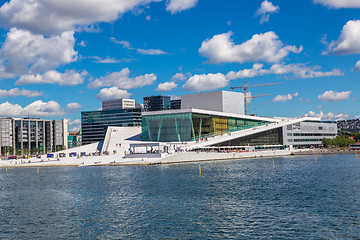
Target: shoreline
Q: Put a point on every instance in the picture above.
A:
(192, 157)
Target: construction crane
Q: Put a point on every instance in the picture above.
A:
(246, 97)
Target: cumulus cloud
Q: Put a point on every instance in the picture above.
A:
(206, 82)
(199, 82)
(264, 47)
(285, 98)
(265, 9)
(180, 77)
(339, 3)
(35, 109)
(348, 42)
(73, 106)
(53, 16)
(331, 96)
(122, 80)
(166, 86)
(24, 52)
(69, 78)
(327, 117)
(256, 70)
(302, 71)
(112, 93)
(15, 92)
(175, 6)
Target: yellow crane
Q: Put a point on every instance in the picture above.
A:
(245, 87)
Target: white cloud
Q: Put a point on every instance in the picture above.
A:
(327, 117)
(106, 60)
(69, 78)
(74, 125)
(285, 98)
(331, 96)
(19, 92)
(112, 93)
(125, 44)
(151, 51)
(302, 71)
(206, 82)
(54, 16)
(248, 73)
(180, 77)
(35, 109)
(265, 9)
(348, 42)
(24, 52)
(122, 80)
(319, 107)
(297, 70)
(82, 43)
(261, 47)
(339, 3)
(175, 6)
(357, 66)
(73, 106)
(166, 86)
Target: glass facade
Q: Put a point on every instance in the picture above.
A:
(182, 127)
(94, 123)
(270, 137)
(156, 103)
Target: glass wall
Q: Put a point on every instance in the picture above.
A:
(95, 123)
(270, 137)
(182, 127)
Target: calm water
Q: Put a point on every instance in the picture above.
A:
(247, 199)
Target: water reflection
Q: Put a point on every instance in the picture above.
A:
(244, 199)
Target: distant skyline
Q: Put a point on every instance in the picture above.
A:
(58, 58)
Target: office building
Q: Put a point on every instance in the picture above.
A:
(95, 123)
(175, 104)
(32, 136)
(118, 104)
(156, 103)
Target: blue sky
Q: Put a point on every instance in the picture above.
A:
(58, 58)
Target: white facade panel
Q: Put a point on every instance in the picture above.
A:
(220, 101)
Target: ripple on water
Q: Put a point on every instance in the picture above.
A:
(247, 199)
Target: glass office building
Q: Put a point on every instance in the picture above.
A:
(157, 103)
(190, 126)
(95, 123)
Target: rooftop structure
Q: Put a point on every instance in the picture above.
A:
(220, 101)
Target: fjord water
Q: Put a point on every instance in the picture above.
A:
(245, 199)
